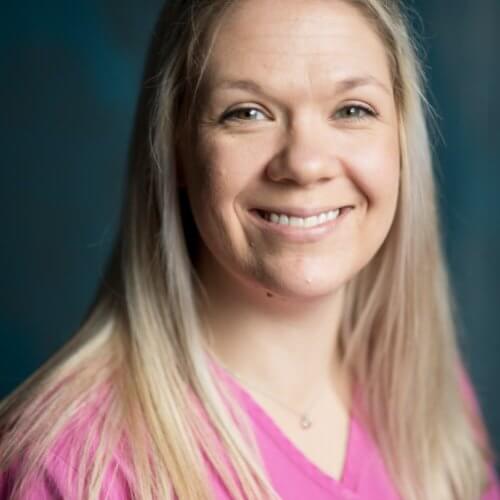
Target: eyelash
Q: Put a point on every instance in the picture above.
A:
(367, 112)
(231, 115)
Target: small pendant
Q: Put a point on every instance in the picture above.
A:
(305, 423)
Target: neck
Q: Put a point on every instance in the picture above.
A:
(284, 345)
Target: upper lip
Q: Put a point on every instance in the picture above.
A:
(302, 212)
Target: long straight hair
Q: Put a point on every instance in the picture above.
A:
(137, 363)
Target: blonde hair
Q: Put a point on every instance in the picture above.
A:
(137, 363)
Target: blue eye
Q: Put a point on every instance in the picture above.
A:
(244, 114)
(354, 112)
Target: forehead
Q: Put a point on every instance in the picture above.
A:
(297, 42)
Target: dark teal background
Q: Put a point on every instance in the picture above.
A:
(70, 76)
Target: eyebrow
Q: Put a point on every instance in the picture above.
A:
(341, 85)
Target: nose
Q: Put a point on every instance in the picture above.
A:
(306, 156)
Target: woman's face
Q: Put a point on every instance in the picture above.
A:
(293, 174)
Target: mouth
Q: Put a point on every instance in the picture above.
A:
(294, 220)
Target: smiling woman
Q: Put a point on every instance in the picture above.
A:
(297, 157)
(275, 321)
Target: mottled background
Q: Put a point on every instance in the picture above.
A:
(70, 76)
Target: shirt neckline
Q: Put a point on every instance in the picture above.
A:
(348, 478)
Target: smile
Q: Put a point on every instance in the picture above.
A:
(300, 227)
(294, 221)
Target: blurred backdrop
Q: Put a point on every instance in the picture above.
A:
(70, 76)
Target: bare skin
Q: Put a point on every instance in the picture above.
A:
(319, 133)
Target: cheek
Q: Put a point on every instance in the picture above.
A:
(207, 192)
(216, 181)
(375, 168)
(225, 168)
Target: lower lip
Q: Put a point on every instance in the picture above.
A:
(301, 234)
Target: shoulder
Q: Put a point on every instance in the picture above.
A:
(476, 417)
(473, 406)
(54, 472)
(58, 480)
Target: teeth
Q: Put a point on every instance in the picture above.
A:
(314, 220)
(311, 221)
(295, 221)
(332, 214)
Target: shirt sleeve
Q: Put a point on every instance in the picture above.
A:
(42, 487)
(493, 490)
(57, 481)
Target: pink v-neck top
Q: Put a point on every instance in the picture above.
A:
(293, 475)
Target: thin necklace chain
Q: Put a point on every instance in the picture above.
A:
(305, 421)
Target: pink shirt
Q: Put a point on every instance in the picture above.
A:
(293, 475)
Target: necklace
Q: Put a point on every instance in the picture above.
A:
(305, 421)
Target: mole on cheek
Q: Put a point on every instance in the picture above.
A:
(269, 294)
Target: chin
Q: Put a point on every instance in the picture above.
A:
(300, 287)
(301, 278)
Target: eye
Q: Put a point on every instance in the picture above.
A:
(244, 114)
(355, 112)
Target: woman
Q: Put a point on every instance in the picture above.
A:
(275, 322)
